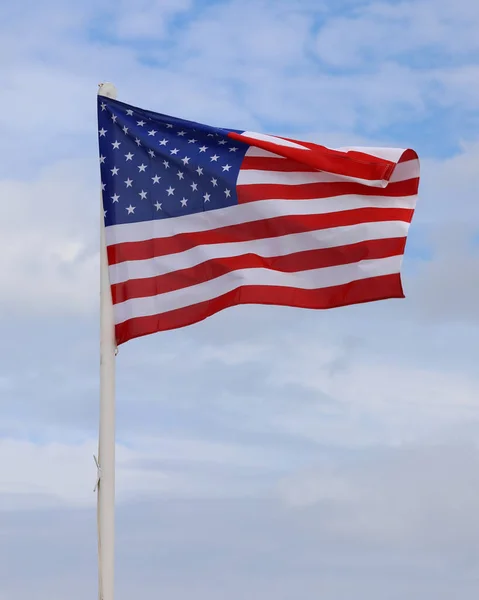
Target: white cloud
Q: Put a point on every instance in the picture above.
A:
(447, 287)
(308, 379)
(46, 474)
(252, 34)
(146, 18)
(432, 43)
(49, 260)
(380, 31)
(458, 86)
(38, 475)
(448, 187)
(418, 497)
(367, 400)
(238, 63)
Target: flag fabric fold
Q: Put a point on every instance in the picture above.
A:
(201, 218)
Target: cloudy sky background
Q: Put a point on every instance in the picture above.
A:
(269, 452)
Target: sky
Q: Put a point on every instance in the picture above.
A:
(267, 452)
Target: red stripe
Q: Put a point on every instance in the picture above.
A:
(271, 163)
(310, 191)
(350, 164)
(291, 263)
(408, 155)
(357, 155)
(356, 292)
(266, 228)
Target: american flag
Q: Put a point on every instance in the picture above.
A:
(201, 218)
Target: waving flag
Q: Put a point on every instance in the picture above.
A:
(200, 218)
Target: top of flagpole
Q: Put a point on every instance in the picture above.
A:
(107, 89)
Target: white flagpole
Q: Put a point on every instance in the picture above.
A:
(106, 444)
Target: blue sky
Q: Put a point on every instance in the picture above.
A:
(267, 452)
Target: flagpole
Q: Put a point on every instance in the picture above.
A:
(106, 443)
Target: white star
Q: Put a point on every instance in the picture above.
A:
(233, 149)
(203, 148)
(192, 141)
(142, 168)
(157, 205)
(103, 186)
(130, 209)
(222, 142)
(210, 135)
(170, 191)
(227, 193)
(138, 142)
(185, 160)
(214, 182)
(129, 112)
(181, 133)
(194, 187)
(103, 106)
(169, 125)
(104, 214)
(207, 197)
(102, 159)
(142, 194)
(180, 174)
(140, 123)
(163, 142)
(114, 171)
(114, 118)
(167, 164)
(226, 167)
(116, 145)
(199, 170)
(174, 151)
(129, 182)
(151, 153)
(214, 158)
(184, 201)
(125, 129)
(102, 132)
(152, 132)
(129, 156)
(115, 198)
(156, 179)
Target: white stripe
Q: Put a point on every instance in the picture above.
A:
(254, 151)
(251, 176)
(247, 213)
(307, 280)
(402, 172)
(267, 247)
(405, 170)
(273, 140)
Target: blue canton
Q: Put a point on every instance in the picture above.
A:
(154, 166)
